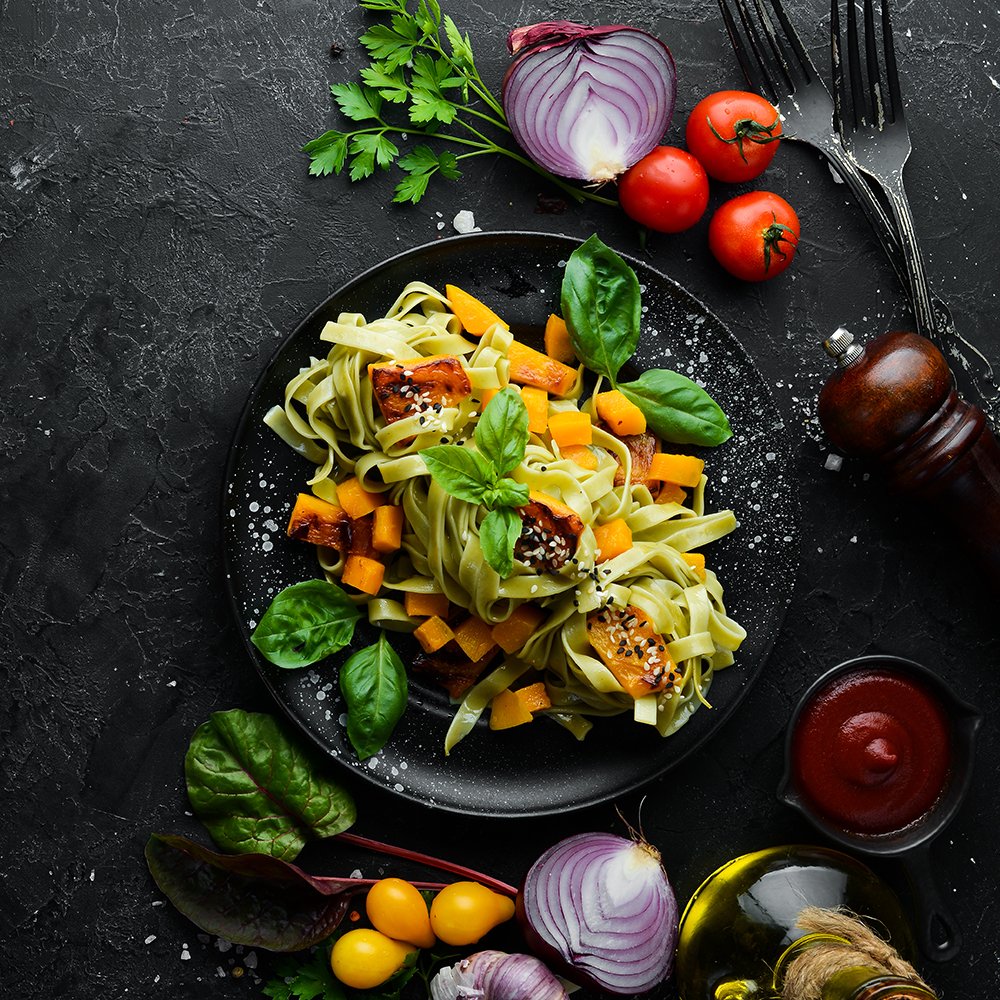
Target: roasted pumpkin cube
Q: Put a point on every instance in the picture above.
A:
(475, 638)
(583, 455)
(571, 427)
(620, 413)
(355, 499)
(476, 317)
(534, 697)
(452, 669)
(316, 521)
(536, 402)
(387, 529)
(363, 574)
(507, 711)
(404, 388)
(433, 634)
(360, 533)
(426, 605)
(642, 448)
(558, 343)
(683, 470)
(531, 367)
(613, 538)
(670, 493)
(512, 634)
(550, 533)
(629, 647)
(696, 560)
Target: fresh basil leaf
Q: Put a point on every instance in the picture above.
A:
(256, 790)
(459, 471)
(249, 899)
(601, 304)
(502, 431)
(498, 534)
(508, 493)
(306, 622)
(373, 682)
(677, 408)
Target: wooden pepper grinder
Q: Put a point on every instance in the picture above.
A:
(894, 405)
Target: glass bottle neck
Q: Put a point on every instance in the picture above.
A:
(853, 982)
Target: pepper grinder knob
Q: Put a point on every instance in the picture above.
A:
(893, 404)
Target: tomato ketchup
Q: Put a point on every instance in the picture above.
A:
(871, 751)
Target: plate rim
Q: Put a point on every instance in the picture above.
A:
(601, 797)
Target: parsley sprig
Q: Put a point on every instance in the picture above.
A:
(423, 67)
(480, 476)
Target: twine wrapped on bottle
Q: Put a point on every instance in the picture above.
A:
(848, 943)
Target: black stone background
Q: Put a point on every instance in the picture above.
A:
(159, 235)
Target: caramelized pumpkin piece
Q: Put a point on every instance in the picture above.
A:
(363, 574)
(558, 343)
(642, 448)
(531, 367)
(433, 634)
(403, 388)
(508, 711)
(534, 697)
(450, 668)
(612, 539)
(550, 532)
(426, 605)
(476, 317)
(629, 647)
(475, 638)
(316, 521)
(512, 634)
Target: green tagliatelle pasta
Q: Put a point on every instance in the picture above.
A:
(331, 418)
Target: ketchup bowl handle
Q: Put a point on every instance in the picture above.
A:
(938, 935)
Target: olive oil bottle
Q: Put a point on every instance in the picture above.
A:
(740, 934)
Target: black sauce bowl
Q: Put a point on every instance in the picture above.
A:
(937, 933)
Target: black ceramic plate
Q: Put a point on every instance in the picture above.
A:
(539, 768)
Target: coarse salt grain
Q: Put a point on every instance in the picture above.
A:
(834, 463)
(465, 222)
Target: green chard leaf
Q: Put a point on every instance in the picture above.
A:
(326, 153)
(373, 682)
(502, 431)
(249, 899)
(601, 304)
(677, 408)
(257, 790)
(498, 534)
(305, 623)
(356, 102)
(459, 471)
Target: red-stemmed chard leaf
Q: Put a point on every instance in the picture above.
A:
(251, 899)
(258, 790)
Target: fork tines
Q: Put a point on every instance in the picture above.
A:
(868, 98)
(774, 62)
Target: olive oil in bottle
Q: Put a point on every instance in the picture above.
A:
(741, 938)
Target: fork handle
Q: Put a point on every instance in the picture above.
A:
(941, 322)
(920, 294)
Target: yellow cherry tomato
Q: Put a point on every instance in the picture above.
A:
(463, 912)
(363, 958)
(397, 909)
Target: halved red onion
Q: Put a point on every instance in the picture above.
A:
(495, 975)
(600, 910)
(587, 103)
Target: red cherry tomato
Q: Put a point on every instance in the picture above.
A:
(754, 236)
(734, 135)
(667, 190)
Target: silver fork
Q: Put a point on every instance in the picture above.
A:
(777, 65)
(868, 114)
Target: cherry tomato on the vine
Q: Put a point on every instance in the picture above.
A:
(363, 958)
(754, 236)
(734, 134)
(667, 190)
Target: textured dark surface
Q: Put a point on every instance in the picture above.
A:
(158, 235)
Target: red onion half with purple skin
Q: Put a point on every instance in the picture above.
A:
(599, 910)
(587, 103)
(495, 975)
